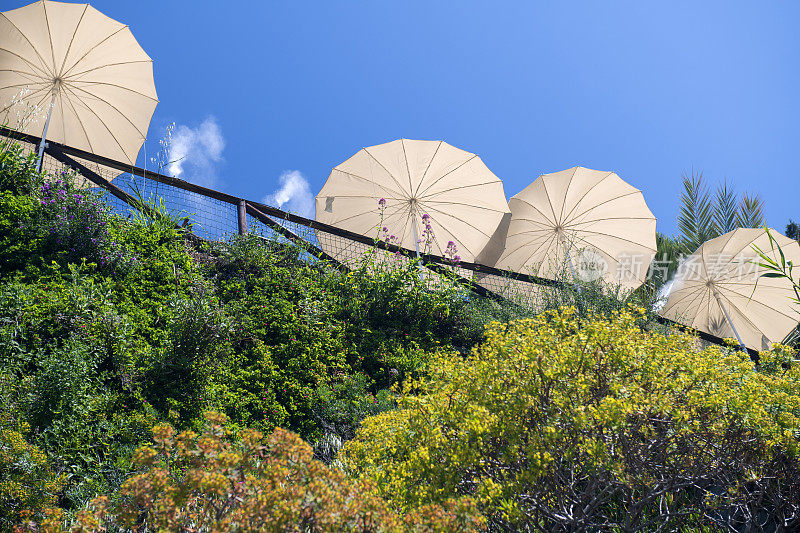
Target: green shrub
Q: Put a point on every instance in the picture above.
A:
(74, 226)
(17, 245)
(196, 345)
(308, 339)
(556, 423)
(18, 174)
(211, 482)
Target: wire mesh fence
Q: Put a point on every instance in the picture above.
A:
(215, 219)
(215, 216)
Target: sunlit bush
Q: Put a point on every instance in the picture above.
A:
(556, 423)
(210, 482)
(27, 482)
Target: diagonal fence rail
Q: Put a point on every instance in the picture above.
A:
(218, 215)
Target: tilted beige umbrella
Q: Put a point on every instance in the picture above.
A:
(464, 201)
(589, 221)
(718, 290)
(84, 71)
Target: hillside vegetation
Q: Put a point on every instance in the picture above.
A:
(152, 382)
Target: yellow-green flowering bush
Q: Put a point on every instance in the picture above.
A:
(27, 482)
(556, 423)
(209, 481)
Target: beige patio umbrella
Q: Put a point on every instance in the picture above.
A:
(464, 201)
(715, 290)
(587, 221)
(84, 75)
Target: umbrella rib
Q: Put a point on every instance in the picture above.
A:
(385, 169)
(534, 252)
(708, 308)
(101, 121)
(408, 170)
(35, 81)
(536, 231)
(73, 82)
(32, 47)
(63, 122)
(44, 73)
(72, 39)
(692, 294)
(549, 242)
(727, 283)
(724, 288)
(727, 273)
(123, 115)
(549, 201)
(757, 302)
(90, 50)
(105, 65)
(402, 234)
(734, 306)
(372, 196)
(462, 203)
(564, 203)
(750, 243)
(609, 218)
(399, 210)
(424, 174)
(553, 223)
(372, 182)
(595, 206)
(452, 234)
(80, 123)
(590, 189)
(49, 36)
(364, 213)
(440, 178)
(461, 187)
(614, 237)
(461, 220)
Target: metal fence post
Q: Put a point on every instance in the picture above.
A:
(242, 215)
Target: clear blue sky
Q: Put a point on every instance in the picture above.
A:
(647, 89)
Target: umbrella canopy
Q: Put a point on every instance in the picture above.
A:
(720, 277)
(589, 218)
(464, 202)
(84, 68)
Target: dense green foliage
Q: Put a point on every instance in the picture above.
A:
(115, 329)
(111, 323)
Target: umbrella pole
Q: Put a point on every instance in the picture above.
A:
(730, 322)
(416, 237)
(44, 134)
(416, 241)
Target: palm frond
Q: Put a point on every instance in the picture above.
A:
(751, 212)
(726, 208)
(696, 220)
